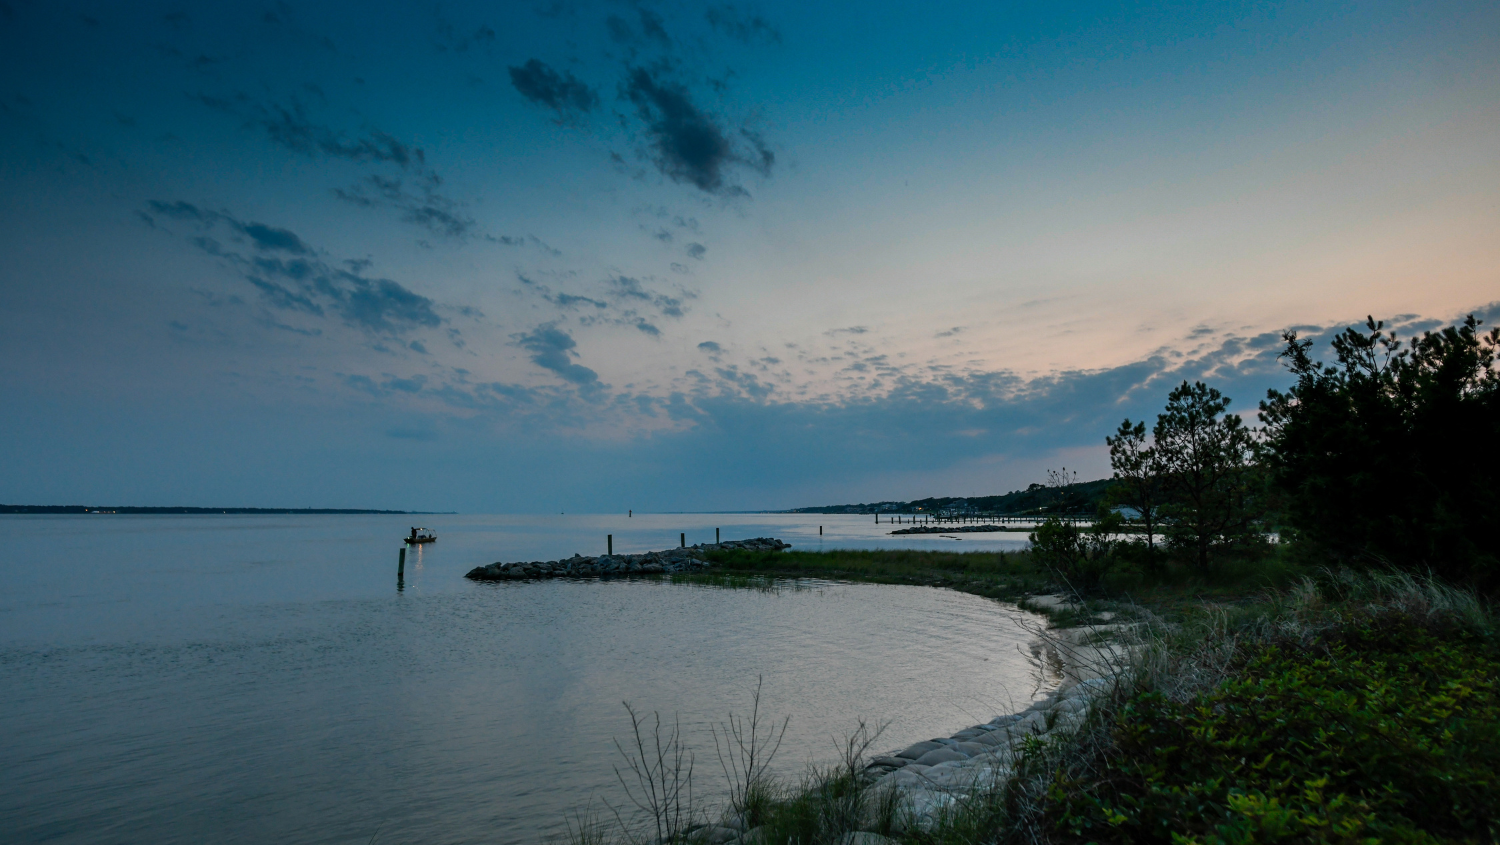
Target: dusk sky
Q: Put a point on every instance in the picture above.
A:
(562, 256)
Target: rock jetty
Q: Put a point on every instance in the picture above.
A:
(687, 559)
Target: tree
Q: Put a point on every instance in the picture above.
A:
(1207, 466)
(1138, 478)
(1388, 456)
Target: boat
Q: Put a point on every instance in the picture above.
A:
(421, 535)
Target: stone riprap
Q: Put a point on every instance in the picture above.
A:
(688, 559)
(935, 775)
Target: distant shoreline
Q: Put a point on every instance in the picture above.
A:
(121, 509)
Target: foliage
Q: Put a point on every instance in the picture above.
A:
(1388, 456)
(1382, 729)
(1078, 557)
(1207, 466)
(1139, 481)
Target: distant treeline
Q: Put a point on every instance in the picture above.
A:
(64, 509)
(1083, 497)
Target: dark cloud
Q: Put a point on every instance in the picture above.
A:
(552, 348)
(646, 328)
(696, 250)
(564, 300)
(291, 277)
(740, 26)
(689, 146)
(272, 239)
(562, 92)
(710, 347)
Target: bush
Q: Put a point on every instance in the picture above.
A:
(1079, 558)
(1385, 729)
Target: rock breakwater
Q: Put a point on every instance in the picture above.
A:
(686, 559)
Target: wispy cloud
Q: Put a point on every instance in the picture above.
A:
(291, 276)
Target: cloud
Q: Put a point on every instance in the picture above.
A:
(429, 209)
(566, 300)
(562, 92)
(689, 146)
(292, 277)
(743, 27)
(710, 347)
(652, 29)
(272, 239)
(552, 348)
(627, 288)
(405, 385)
(290, 126)
(696, 250)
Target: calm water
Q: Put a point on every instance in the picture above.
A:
(248, 679)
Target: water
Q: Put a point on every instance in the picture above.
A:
(255, 678)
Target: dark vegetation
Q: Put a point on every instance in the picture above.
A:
(1313, 657)
(1076, 497)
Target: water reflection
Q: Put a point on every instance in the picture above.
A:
(248, 679)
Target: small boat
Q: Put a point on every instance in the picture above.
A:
(421, 535)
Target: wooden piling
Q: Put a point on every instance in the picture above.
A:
(716, 536)
(682, 538)
(609, 544)
(401, 565)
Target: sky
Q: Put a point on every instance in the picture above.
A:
(568, 256)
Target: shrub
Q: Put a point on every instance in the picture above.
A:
(1383, 728)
